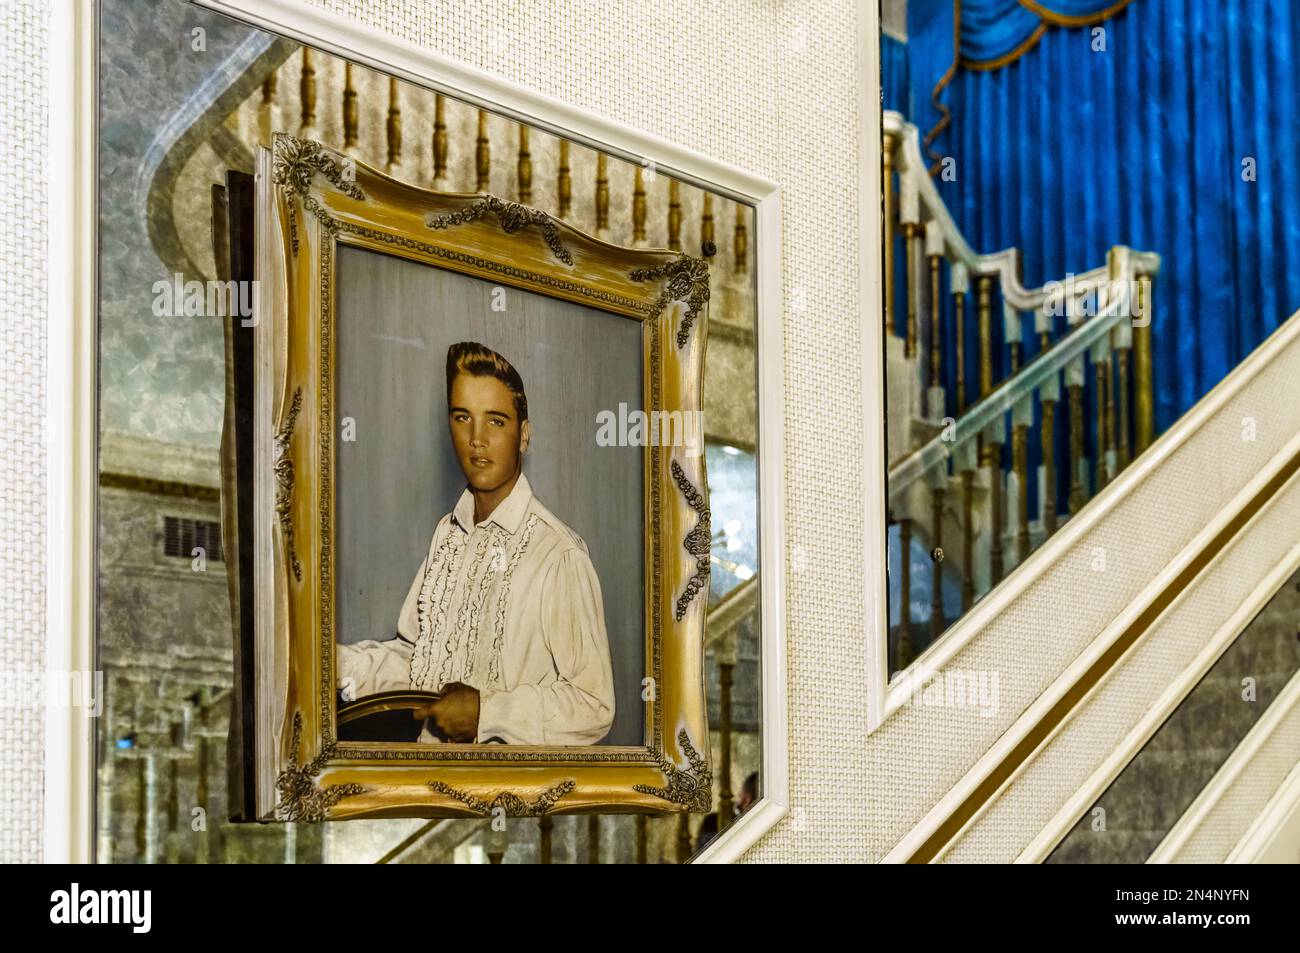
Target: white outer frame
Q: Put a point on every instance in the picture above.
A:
(72, 355)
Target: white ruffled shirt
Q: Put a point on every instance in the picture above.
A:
(512, 607)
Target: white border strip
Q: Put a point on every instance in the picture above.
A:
(362, 44)
(71, 424)
(1275, 829)
(1238, 762)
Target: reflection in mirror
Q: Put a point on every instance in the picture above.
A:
(1075, 251)
(169, 570)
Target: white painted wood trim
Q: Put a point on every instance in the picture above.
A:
(363, 44)
(1075, 670)
(1279, 816)
(1055, 831)
(71, 425)
(1240, 759)
(1005, 594)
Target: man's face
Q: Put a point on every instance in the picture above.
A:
(486, 431)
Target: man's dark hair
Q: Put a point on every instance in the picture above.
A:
(470, 357)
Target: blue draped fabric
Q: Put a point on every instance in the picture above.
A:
(894, 80)
(1152, 144)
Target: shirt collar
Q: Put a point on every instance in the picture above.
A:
(509, 513)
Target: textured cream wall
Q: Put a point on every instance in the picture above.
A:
(23, 85)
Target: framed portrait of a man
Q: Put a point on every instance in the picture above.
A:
(482, 529)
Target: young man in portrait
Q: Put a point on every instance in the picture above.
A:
(504, 620)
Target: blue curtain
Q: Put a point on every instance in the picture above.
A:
(1180, 137)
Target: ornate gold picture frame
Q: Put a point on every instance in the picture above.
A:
(312, 201)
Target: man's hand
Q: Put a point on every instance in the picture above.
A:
(454, 714)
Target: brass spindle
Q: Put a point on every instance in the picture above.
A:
(1112, 449)
(912, 242)
(524, 170)
(1020, 462)
(482, 155)
(984, 288)
(674, 215)
(1015, 349)
(968, 538)
(564, 183)
(350, 112)
(888, 186)
(638, 207)
(937, 623)
(936, 325)
(394, 125)
(545, 827)
(440, 139)
(740, 242)
(1103, 476)
(997, 489)
(706, 221)
(959, 306)
(726, 811)
(266, 110)
(1078, 495)
(602, 194)
(1142, 365)
(307, 92)
(1048, 506)
(1124, 449)
(593, 838)
(904, 655)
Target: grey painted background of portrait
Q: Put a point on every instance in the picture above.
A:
(394, 321)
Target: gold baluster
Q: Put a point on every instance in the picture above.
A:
(706, 227)
(904, 654)
(888, 185)
(564, 183)
(1048, 506)
(937, 623)
(1078, 495)
(482, 155)
(1112, 450)
(1142, 365)
(1101, 367)
(968, 538)
(912, 245)
(266, 110)
(959, 304)
(638, 208)
(524, 172)
(936, 325)
(725, 799)
(602, 194)
(985, 291)
(440, 141)
(394, 127)
(993, 459)
(349, 109)
(740, 242)
(1124, 426)
(674, 215)
(307, 93)
(1020, 461)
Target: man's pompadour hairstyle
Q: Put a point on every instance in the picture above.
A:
(470, 357)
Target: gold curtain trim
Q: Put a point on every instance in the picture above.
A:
(945, 118)
(1083, 19)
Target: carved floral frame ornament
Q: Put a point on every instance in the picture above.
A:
(311, 199)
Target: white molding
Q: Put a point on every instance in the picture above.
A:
(1274, 830)
(1223, 780)
(71, 422)
(1173, 695)
(1041, 705)
(365, 45)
